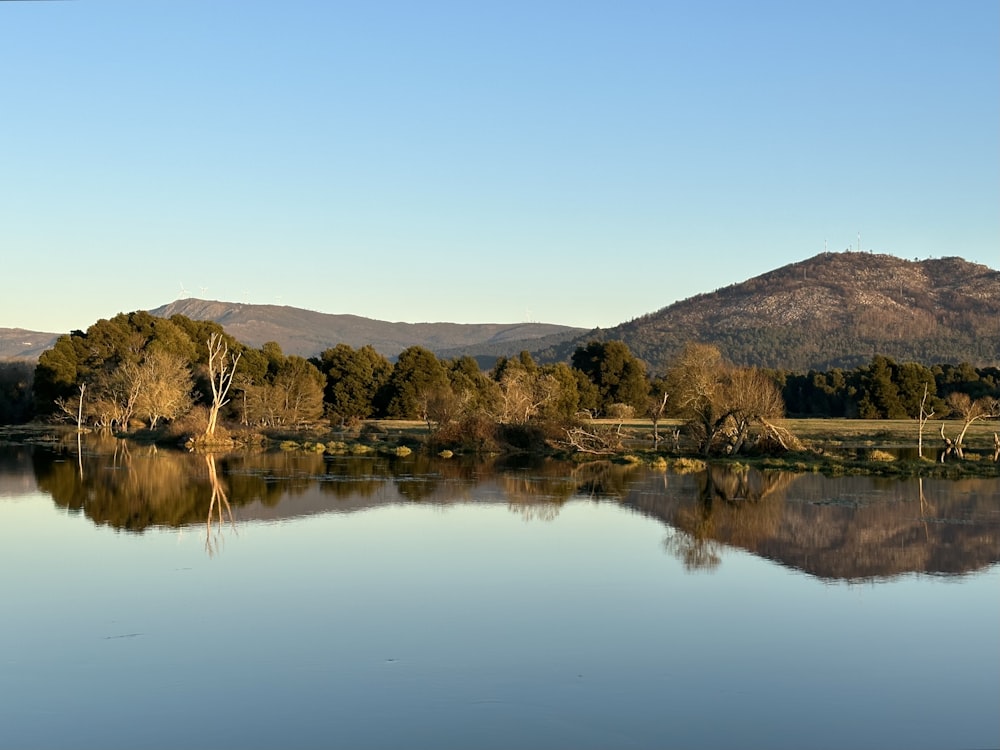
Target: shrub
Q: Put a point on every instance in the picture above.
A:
(473, 434)
(689, 465)
(878, 455)
(529, 438)
(620, 411)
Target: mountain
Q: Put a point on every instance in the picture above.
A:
(308, 333)
(832, 310)
(17, 343)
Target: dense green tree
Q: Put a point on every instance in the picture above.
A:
(353, 380)
(880, 397)
(619, 375)
(92, 357)
(289, 395)
(16, 397)
(199, 331)
(415, 376)
(475, 392)
(526, 391)
(911, 379)
(564, 393)
(299, 387)
(589, 397)
(59, 371)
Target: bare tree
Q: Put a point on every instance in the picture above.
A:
(73, 410)
(221, 368)
(599, 440)
(969, 411)
(716, 399)
(439, 404)
(166, 386)
(115, 394)
(656, 407)
(752, 398)
(924, 416)
(523, 394)
(695, 382)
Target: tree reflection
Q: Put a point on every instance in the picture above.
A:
(836, 528)
(600, 479)
(697, 553)
(527, 497)
(217, 507)
(843, 528)
(732, 507)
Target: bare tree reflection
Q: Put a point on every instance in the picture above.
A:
(526, 496)
(733, 508)
(601, 479)
(924, 506)
(697, 553)
(218, 508)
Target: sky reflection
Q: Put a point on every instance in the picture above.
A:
(468, 624)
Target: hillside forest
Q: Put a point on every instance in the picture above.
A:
(180, 377)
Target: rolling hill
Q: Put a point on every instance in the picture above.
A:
(307, 333)
(832, 310)
(18, 343)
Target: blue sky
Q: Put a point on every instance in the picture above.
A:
(570, 162)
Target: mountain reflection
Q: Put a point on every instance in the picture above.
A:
(846, 528)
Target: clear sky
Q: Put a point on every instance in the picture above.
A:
(570, 162)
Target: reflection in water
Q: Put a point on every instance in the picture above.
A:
(835, 528)
(734, 505)
(218, 505)
(848, 528)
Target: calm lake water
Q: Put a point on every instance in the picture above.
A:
(377, 603)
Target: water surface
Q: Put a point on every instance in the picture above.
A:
(375, 603)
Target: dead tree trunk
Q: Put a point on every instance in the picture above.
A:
(924, 416)
(221, 368)
(952, 448)
(655, 414)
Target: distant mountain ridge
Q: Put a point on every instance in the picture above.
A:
(307, 333)
(832, 310)
(19, 343)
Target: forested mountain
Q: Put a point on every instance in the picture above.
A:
(832, 310)
(307, 333)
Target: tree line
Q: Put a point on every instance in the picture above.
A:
(140, 371)
(887, 389)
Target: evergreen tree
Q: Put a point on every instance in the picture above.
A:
(415, 376)
(619, 375)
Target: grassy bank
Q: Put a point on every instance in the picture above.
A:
(830, 446)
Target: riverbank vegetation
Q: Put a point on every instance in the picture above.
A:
(184, 381)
